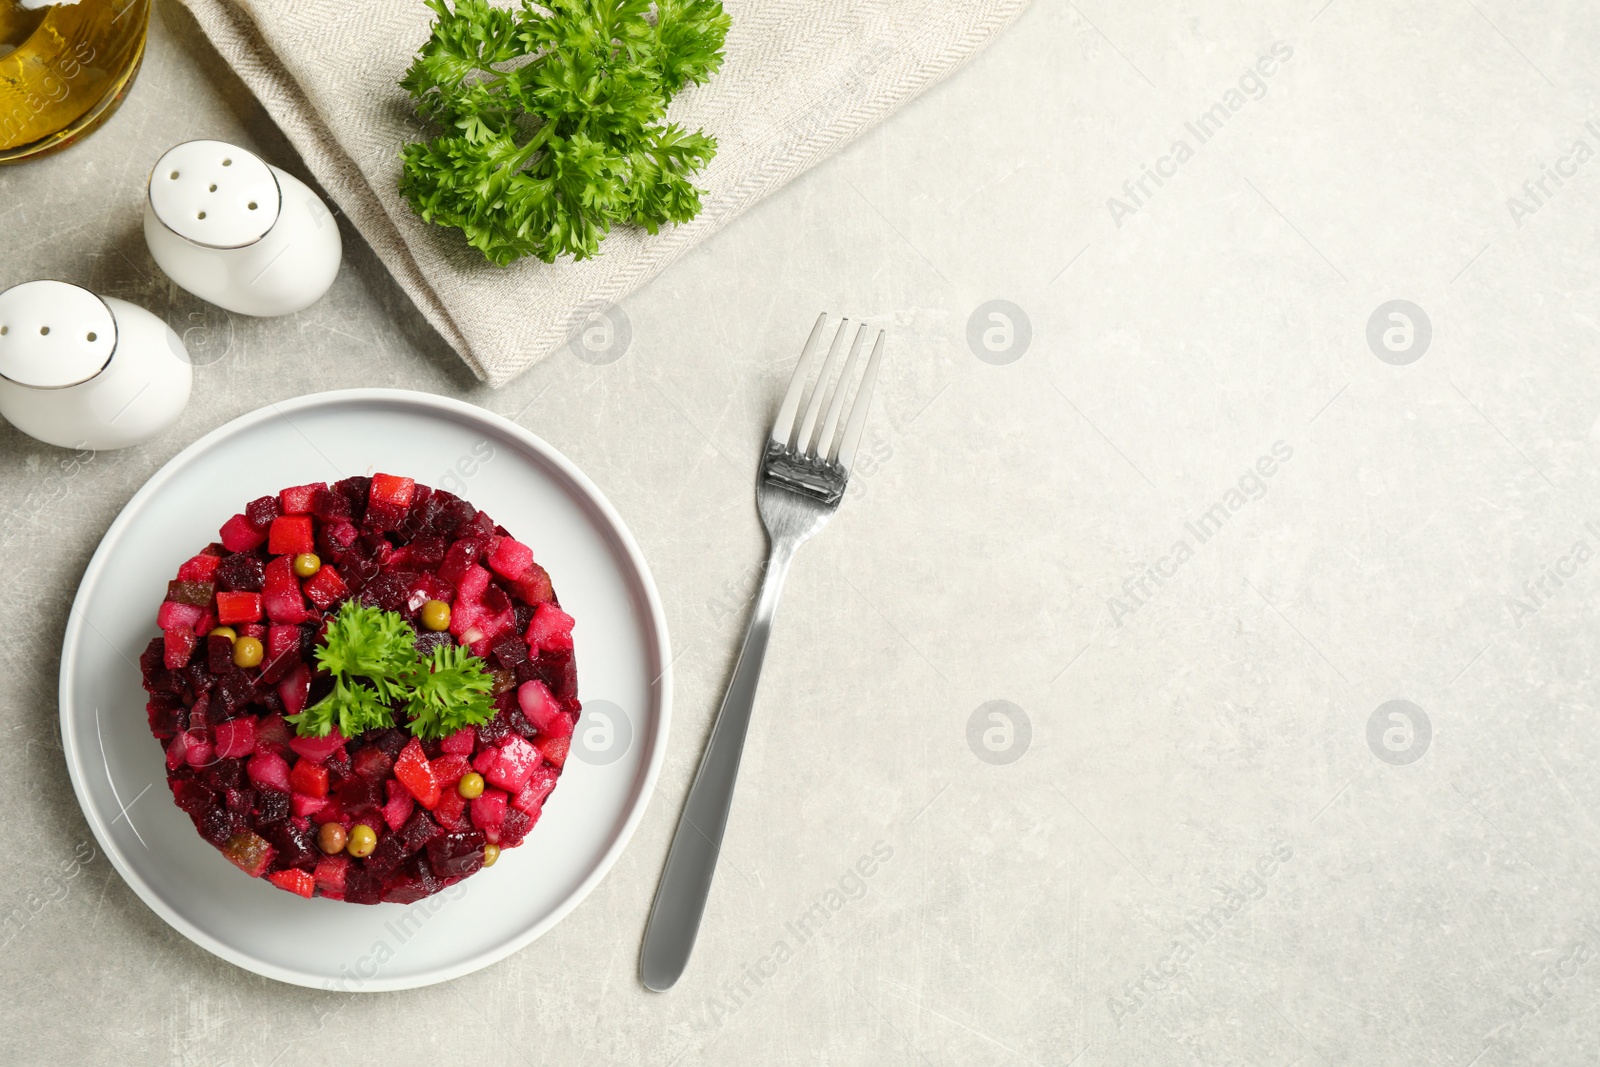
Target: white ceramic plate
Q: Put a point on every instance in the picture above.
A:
(624, 680)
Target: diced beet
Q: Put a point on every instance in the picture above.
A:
(329, 506)
(510, 651)
(294, 689)
(325, 588)
(197, 680)
(460, 743)
(241, 572)
(400, 805)
(238, 607)
(163, 718)
(199, 568)
(360, 796)
(489, 813)
(273, 735)
(511, 559)
(456, 854)
(496, 602)
(261, 511)
(414, 772)
(514, 767)
(298, 499)
(294, 881)
(495, 730)
(370, 761)
(177, 751)
(516, 827)
(294, 844)
(191, 797)
(551, 629)
(272, 805)
(249, 852)
(361, 888)
(387, 857)
(486, 760)
(455, 515)
(316, 749)
(415, 881)
(282, 652)
(179, 645)
(270, 770)
(560, 726)
(458, 560)
(391, 740)
(291, 535)
(309, 778)
(418, 831)
(389, 591)
(218, 825)
(175, 616)
(559, 673)
(196, 593)
(235, 738)
(224, 774)
(335, 540)
(219, 653)
(234, 689)
(237, 535)
(482, 528)
(253, 629)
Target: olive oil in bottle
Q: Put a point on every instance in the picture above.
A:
(64, 68)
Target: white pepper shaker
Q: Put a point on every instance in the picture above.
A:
(86, 371)
(236, 231)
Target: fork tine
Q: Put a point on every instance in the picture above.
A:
(858, 410)
(802, 443)
(783, 426)
(825, 439)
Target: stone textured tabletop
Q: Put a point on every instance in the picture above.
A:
(1205, 652)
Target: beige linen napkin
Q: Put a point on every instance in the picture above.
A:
(801, 78)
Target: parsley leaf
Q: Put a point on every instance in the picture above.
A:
(368, 642)
(449, 692)
(372, 655)
(552, 120)
(352, 706)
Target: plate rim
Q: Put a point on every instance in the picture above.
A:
(661, 689)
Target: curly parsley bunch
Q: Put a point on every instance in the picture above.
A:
(372, 655)
(554, 120)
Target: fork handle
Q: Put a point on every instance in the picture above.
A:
(686, 882)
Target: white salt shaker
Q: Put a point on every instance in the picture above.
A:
(86, 371)
(238, 232)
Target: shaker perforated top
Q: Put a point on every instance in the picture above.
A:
(215, 194)
(54, 334)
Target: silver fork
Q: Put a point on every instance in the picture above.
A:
(802, 479)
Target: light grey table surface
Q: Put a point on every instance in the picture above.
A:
(1212, 843)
